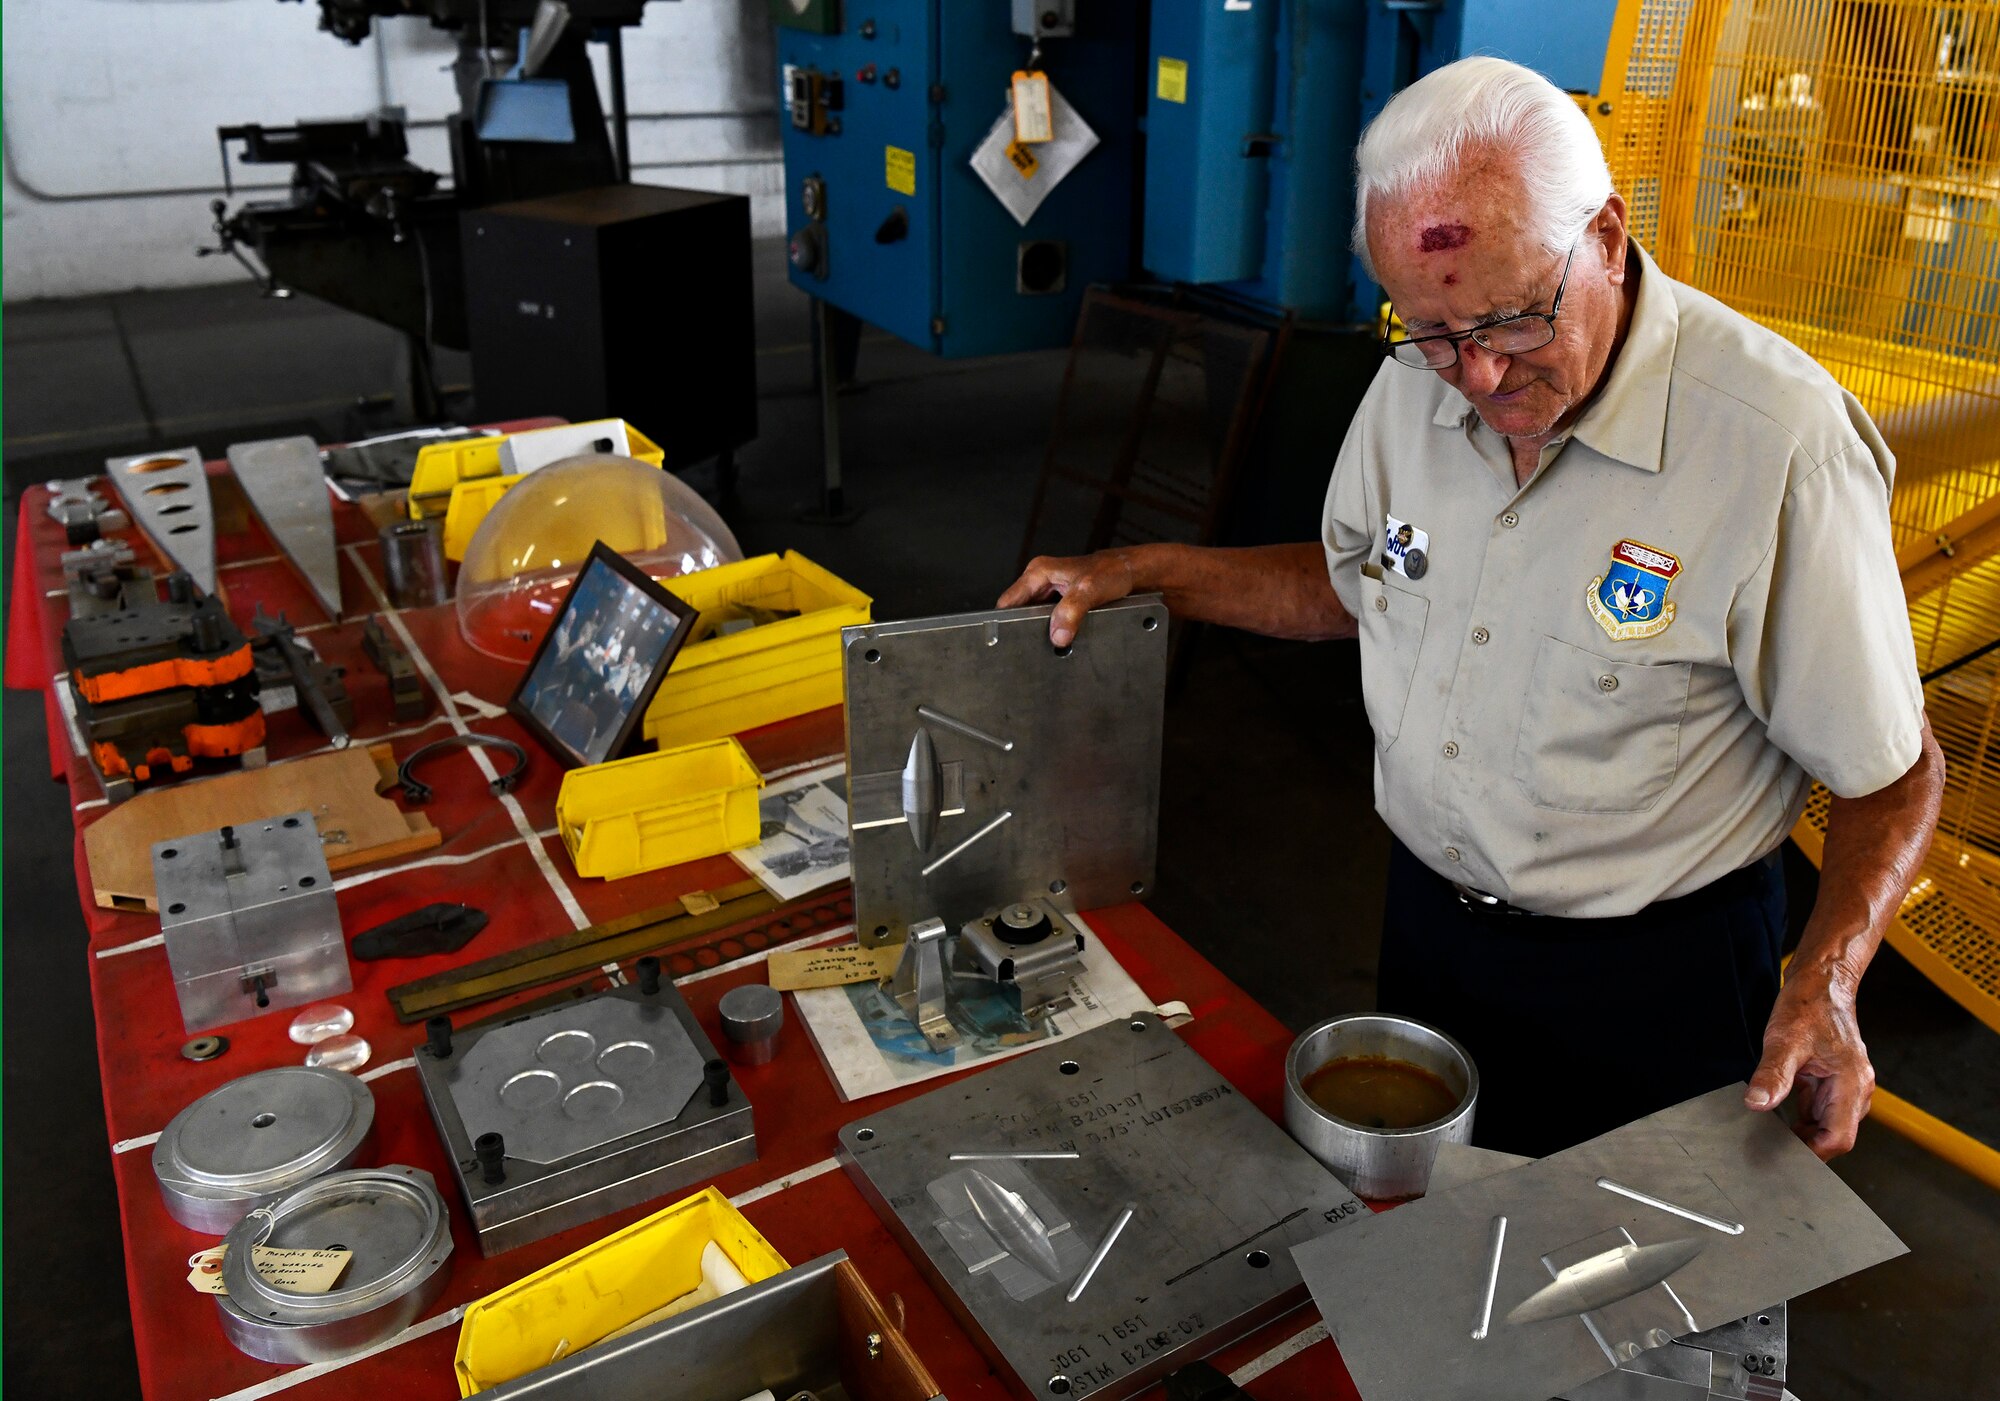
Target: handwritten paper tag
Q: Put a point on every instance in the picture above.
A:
(1034, 120)
(699, 902)
(301, 1271)
(834, 967)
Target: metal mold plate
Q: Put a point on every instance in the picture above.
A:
(986, 767)
(253, 1139)
(588, 1129)
(166, 494)
(1402, 1292)
(578, 1078)
(287, 489)
(1221, 1196)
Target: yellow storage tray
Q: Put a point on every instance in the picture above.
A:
(442, 466)
(602, 1287)
(470, 501)
(653, 810)
(724, 684)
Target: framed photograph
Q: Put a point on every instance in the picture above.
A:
(585, 693)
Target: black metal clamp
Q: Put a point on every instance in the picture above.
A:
(417, 792)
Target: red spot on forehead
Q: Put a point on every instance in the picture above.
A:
(1439, 237)
(1451, 279)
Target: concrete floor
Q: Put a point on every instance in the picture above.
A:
(1271, 860)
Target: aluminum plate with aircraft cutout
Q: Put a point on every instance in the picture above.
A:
(988, 766)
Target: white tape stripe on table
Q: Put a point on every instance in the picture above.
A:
(298, 1376)
(479, 755)
(1283, 1352)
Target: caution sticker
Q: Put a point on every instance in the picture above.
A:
(901, 170)
(1173, 80)
(1022, 159)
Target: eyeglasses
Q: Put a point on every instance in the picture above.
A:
(1515, 335)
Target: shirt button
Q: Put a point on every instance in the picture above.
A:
(1510, 520)
(1451, 853)
(1451, 749)
(1607, 683)
(1479, 636)
(1381, 604)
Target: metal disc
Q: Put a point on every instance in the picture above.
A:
(205, 1047)
(391, 1218)
(257, 1137)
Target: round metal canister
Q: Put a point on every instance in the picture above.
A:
(253, 1139)
(394, 1222)
(752, 1016)
(1379, 1164)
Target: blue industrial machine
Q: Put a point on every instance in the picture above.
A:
(1247, 121)
(1255, 108)
(885, 102)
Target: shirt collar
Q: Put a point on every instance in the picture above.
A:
(1628, 419)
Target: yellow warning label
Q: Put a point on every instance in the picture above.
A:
(1023, 159)
(1173, 80)
(902, 170)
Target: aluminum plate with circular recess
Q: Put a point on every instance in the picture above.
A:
(394, 1222)
(255, 1138)
(565, 1081)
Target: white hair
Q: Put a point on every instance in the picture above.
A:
(1485, 103)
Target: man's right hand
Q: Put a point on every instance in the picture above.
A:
(1081, 583)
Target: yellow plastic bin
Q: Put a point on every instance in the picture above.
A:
(654, 810)
(442, 466)
(602, 1287)
(726, 683)
(470, 501)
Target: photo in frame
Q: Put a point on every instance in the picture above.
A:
(585, 692)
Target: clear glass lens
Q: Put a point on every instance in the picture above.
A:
(1435, 353)
(1515, 337)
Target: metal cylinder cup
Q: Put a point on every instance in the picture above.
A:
(1378, 1164)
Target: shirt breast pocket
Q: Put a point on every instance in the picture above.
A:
(1392, 632)
(1599, 735)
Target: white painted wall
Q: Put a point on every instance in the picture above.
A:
(111, 108)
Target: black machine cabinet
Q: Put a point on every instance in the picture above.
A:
(626, 301)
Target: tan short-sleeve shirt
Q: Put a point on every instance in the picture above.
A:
(1612, 686)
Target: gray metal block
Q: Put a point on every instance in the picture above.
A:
(248, 912)
(987, 767)
(1220, 1196)
(600, 1105)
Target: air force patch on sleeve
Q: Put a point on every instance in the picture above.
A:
(1630, 601)
(1405, 549)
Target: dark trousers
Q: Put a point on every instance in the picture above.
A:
(1580, 1025)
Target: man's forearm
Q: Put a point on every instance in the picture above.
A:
(1276, 590)
(1875, 846)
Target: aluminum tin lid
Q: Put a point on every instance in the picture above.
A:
(257, 1137)
(392, 1218)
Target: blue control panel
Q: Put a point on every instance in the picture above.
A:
(887, 220)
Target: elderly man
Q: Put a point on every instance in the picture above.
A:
(1620, 566)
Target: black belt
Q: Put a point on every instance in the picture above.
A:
(1737, 883)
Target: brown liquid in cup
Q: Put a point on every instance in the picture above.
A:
(1378, 1092)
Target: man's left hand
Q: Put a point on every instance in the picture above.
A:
(1813, 1042)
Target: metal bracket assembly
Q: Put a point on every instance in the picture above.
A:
(919, 986)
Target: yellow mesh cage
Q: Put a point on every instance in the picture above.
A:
(1831, 168)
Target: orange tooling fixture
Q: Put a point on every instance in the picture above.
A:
(157, 683)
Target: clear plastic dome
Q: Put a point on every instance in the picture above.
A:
(526, 553)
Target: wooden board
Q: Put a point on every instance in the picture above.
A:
(356, 824)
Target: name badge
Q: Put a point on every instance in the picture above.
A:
(1405, 549)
